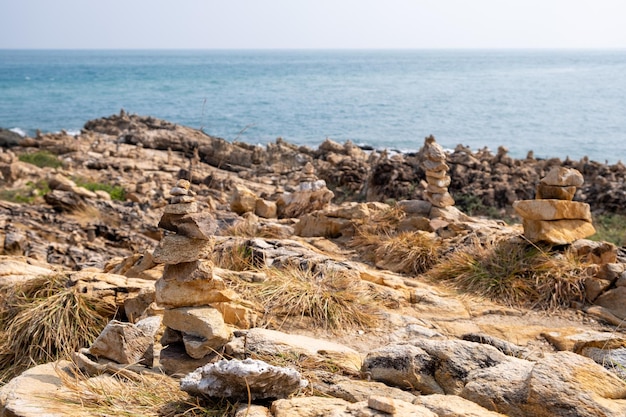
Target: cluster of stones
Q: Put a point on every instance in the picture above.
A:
(553, 217)
(189, 291)
(437, 178)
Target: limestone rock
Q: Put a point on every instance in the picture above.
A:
(354, 390)
(242, 380)
(501, 388)
(310, 407)
(563, 177)
(440, 199)
(319, 224)
(34, 393)
(252, 410)
(203, 328)
(196, 225)
(122, 342)
(615, 301)
(565, 381)
(192, 271)
(595, 252)
(454, 406)
(181, 208)
(552, 210)
(415, 207)
(555, 192)
(271, 342)
(173, 294)
(558, 232)
(454, 360)
(15, 271)
(403, 366)
(65, 201)
(292, 205)
(191, 284)
(175, 361)
(175, 249)
(240, 316)
(243, 200)
(265, 209)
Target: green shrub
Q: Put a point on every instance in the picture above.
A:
(115, 191)
(25, 195)
(41, 159)
(610, 228)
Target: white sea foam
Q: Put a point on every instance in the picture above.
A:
(18, 131)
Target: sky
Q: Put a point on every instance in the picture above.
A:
(311, 24)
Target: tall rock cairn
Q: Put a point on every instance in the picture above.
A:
(437, 178)
(188, 290)
(553, 217)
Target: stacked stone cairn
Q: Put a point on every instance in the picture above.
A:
(553, 217)
(192, 296)
(437, 178)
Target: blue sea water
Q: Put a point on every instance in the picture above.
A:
(557, 103)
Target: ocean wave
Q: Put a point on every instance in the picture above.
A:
(73, 132)
(18, 131)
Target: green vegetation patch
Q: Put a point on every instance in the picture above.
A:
(25, 195)
(41, 159)
(115, 191)
(610, 228)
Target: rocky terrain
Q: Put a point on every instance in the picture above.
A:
(310, 282)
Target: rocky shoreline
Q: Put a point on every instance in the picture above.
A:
(205, 227)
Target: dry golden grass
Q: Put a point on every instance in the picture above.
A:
(250, 227)
(406, 253)
(383, 222)
(333, 300)
(89, 215)
(145, 395)
(515, 273)
(43, 319)
(233, 255)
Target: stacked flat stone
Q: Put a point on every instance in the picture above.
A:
(553, 217)
(188, 287)
(437, 177)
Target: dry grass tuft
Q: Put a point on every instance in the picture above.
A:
(382, 222)
(406, 253)
(251, 227)
(145, 395)
(233, 255)
(43, 319)
(89, 215)
(515, 273)
(333, 300)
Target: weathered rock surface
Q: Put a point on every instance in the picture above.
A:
(203, 328)
(243, 380)
(506, 364)
(122, 342)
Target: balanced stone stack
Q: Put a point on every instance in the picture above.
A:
(437, 177)
(553, 217)
(188, 289)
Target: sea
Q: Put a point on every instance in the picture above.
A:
(557, 103)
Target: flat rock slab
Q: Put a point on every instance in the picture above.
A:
(272, 342)
(552, 210)
(563, 177)
(176, 249)
(32, 394)
(557, 232)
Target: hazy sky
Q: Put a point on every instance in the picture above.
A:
(253, 24)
